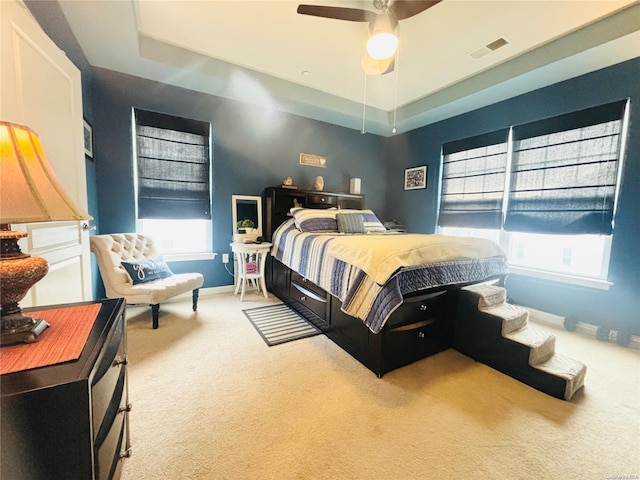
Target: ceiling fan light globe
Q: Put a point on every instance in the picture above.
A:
(371, 66)
(382, 45)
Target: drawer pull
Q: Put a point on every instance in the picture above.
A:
(420, 334)
(303, 298)
(423, 307)
(125, 408)
(125, 453)
(120, 361)
(414, 326)
(307, 293)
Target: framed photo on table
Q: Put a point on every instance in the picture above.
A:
(415, 178)
(88, 139)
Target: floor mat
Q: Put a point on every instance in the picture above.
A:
(279, 323)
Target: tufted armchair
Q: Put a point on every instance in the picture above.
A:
(111, 250)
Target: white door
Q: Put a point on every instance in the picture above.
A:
(41, 88)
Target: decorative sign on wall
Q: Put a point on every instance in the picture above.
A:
(313, 160)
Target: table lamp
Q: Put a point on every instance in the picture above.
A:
(29, 193)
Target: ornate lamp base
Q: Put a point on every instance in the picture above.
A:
(18, 328)
(18, 272)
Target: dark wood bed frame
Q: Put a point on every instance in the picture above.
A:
(422, 326)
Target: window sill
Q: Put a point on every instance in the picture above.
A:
(562, 278)
(186, 257)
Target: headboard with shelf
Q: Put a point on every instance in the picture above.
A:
(280, 200)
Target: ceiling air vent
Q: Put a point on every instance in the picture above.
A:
(489, 47)
(496, 44)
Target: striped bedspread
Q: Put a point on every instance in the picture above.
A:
(371, 273)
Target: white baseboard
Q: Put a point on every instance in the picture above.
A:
(557, 321)
(545, 318)
(204, 292)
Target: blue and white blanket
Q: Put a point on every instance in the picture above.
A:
(371, 273)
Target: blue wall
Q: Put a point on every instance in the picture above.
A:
(417, 209)
(257, 147)
(254, 148)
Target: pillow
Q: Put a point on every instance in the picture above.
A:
(147, 270)
(371, 223)
(350, 223)
(315, 219)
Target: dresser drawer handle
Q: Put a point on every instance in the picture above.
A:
(423, 307)
(120, 361)
(125, 408)
(303, 298)
(420, 334)
(125, 453)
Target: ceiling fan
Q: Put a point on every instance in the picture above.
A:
(383, 41)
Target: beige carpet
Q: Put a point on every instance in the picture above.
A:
(212, 401)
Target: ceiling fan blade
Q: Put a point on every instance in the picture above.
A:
(338, 13)
(408, 8)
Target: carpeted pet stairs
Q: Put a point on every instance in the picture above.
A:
(496, 333)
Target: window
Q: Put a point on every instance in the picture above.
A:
(473, 177)
(577, 255)
(557, 197)
(564, 173)
(173, 182)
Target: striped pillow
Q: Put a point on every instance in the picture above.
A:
(371, 222)
(315, 220)
(350, 223)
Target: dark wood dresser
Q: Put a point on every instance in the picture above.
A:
(70, 420)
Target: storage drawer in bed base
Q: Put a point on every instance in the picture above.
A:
(309, 315)
(309, 298)
(420, 327)
(423, 329)
(404, 345)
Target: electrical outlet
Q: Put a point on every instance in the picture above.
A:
(225, 258)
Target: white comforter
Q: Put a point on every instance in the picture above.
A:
(371, 273)
(380, 256)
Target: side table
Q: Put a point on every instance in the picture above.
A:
(70, 419)
(251, 261)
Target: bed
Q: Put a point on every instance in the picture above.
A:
(388, 299)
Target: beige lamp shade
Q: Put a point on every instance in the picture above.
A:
(30, 191)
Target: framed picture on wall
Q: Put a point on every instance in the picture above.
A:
(415, 178)
(88, 139)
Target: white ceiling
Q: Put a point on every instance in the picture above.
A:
(257, 51)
